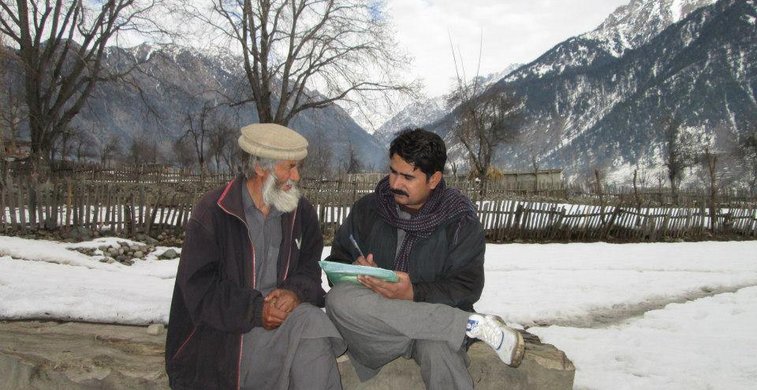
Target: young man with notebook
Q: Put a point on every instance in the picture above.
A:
(430, 236)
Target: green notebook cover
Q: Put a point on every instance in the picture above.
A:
(341, 272)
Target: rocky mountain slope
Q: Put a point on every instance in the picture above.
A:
(596, 101)
(172, 86)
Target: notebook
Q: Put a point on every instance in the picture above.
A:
(341, 272)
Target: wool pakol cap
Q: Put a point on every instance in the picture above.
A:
(276, 142)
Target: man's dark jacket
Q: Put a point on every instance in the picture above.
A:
(447, 267)
(215, 301)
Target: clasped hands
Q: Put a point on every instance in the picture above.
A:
(401, 289)
(276, 307)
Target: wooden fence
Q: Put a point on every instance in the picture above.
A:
(128, 207)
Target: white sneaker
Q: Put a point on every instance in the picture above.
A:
(507, 342)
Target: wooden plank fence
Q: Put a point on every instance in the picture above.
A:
(131, 207)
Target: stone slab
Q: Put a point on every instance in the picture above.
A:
(52, 355)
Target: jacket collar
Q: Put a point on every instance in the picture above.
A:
(231, 197)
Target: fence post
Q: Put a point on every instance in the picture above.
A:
(518, 215)
(608, 227)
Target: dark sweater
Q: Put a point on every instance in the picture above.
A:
(447, 267)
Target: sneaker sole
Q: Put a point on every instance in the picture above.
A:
(519, 351)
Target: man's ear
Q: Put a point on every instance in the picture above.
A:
(435, 179)
(260, 172)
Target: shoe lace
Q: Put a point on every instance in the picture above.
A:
(492, 334)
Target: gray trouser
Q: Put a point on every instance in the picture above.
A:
(378, 330)
(300, 354)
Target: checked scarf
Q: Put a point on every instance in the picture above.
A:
(443, 205)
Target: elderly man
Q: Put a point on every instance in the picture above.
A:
(244, 312)
(430, 236)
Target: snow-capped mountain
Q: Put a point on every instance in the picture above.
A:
(629, 27)
(415, 114)
(597, 100)
(635, 24)
(429, 110)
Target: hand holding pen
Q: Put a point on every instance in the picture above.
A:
(362, 259)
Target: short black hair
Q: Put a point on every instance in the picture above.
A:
(421, 148)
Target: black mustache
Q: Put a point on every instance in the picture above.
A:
(398, 192)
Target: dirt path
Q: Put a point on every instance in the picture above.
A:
(620, 313)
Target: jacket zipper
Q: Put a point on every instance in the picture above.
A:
(291, 238)
(184, 344)
(252, 249)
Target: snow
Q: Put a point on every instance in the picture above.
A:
(676, 11)
(630, 316)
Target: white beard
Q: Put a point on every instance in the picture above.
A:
(273, 195)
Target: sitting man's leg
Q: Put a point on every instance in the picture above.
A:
(300, 354)
(378, 330)
(314, 366)
(441, 366)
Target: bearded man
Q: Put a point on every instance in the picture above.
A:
(245, 310)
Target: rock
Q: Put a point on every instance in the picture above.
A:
(169, 254)
(50, 355)
(139, 254)
(155, 329)
(543, 367)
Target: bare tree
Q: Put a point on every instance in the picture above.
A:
(709, 161)
(483, 120)
(679, 154)
(12, 110)
(61, 46)
(599, 190)
(63, 142)
(111, 151)
(184, 153)
(320, 157)
(747, 154)
(221, 144)
(143, 151)
(483, 123)
(636, 197)
(83, 146)
(352, 162)
(343, 49)
(197, 132)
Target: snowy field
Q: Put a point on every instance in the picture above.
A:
(630, 316)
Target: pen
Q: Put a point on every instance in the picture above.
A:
(354, 243)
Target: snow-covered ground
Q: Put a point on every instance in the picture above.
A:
(630, 316)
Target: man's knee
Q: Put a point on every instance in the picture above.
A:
(341, 299)
(441, 365)
(305, 313)
(428, 350)
(316, 348)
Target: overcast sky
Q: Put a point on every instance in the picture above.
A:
(513, 31)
